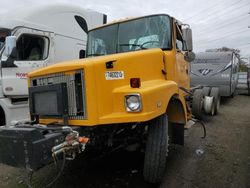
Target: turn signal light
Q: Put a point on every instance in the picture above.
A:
(135, 82)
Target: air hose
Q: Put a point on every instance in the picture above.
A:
(203, 126)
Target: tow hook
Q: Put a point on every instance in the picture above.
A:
(72, 145)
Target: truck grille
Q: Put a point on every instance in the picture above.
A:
(75, 87)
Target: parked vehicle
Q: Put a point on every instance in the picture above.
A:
(43, 35)
(216, 69)
(133, 87)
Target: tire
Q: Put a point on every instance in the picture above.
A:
(216, 94)
(248, 82)
(205, 91)
(2, 117)
(212, 113)
(248, 88)
(197, 103)
(232, 95)
(156, 149)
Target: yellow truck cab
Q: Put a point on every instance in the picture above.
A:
(129, 89)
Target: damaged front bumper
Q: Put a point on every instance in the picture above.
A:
(35, 146)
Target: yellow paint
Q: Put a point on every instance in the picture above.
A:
(105, 98)
(70, 72)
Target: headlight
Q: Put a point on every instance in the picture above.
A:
(133, 103)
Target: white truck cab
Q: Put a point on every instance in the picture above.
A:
(34, 38)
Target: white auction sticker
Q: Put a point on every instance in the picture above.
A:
(114, 75)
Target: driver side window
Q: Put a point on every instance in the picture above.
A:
(32, 48)
(179, 39)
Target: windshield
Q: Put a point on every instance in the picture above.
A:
(138, 34)
(3, 34)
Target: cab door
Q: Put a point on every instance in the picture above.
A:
(182, 66)
(32, 53)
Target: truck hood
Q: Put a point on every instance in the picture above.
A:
(105, 93)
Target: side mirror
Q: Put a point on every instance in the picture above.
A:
(10, 52)
(187, 37)
(10, 44)
(189, 56)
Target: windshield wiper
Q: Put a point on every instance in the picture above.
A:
(95, 55)
(136, 45)
(166, 48)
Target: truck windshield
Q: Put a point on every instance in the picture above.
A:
(138, 34)
(3, 34)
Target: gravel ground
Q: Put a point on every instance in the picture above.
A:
(221, 160)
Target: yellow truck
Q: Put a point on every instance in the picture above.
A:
(132, 87)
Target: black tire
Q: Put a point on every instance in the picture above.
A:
(156, 149)
(2, 117)
(212, 113)
(197, 103)
(248, 88)
(232, 95)
(248, 82)
(215, 92)
(205, 91)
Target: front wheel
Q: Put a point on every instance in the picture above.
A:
(156, 149)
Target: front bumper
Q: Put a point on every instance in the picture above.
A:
(28, 147)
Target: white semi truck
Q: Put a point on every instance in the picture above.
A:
(41, 35)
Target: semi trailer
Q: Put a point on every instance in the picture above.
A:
(216, 69)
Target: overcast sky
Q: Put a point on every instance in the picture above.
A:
(215, 23)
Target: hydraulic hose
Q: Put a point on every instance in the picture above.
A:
(203, 126)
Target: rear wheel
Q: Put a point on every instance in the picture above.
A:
(205, 91)
(216, 94)
(197, 103)
(2, 117)
(248, 88)
(248, 82)
(156, 149)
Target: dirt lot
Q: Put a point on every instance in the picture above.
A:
(220, 160)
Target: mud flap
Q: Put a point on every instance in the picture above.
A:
(178, 133)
